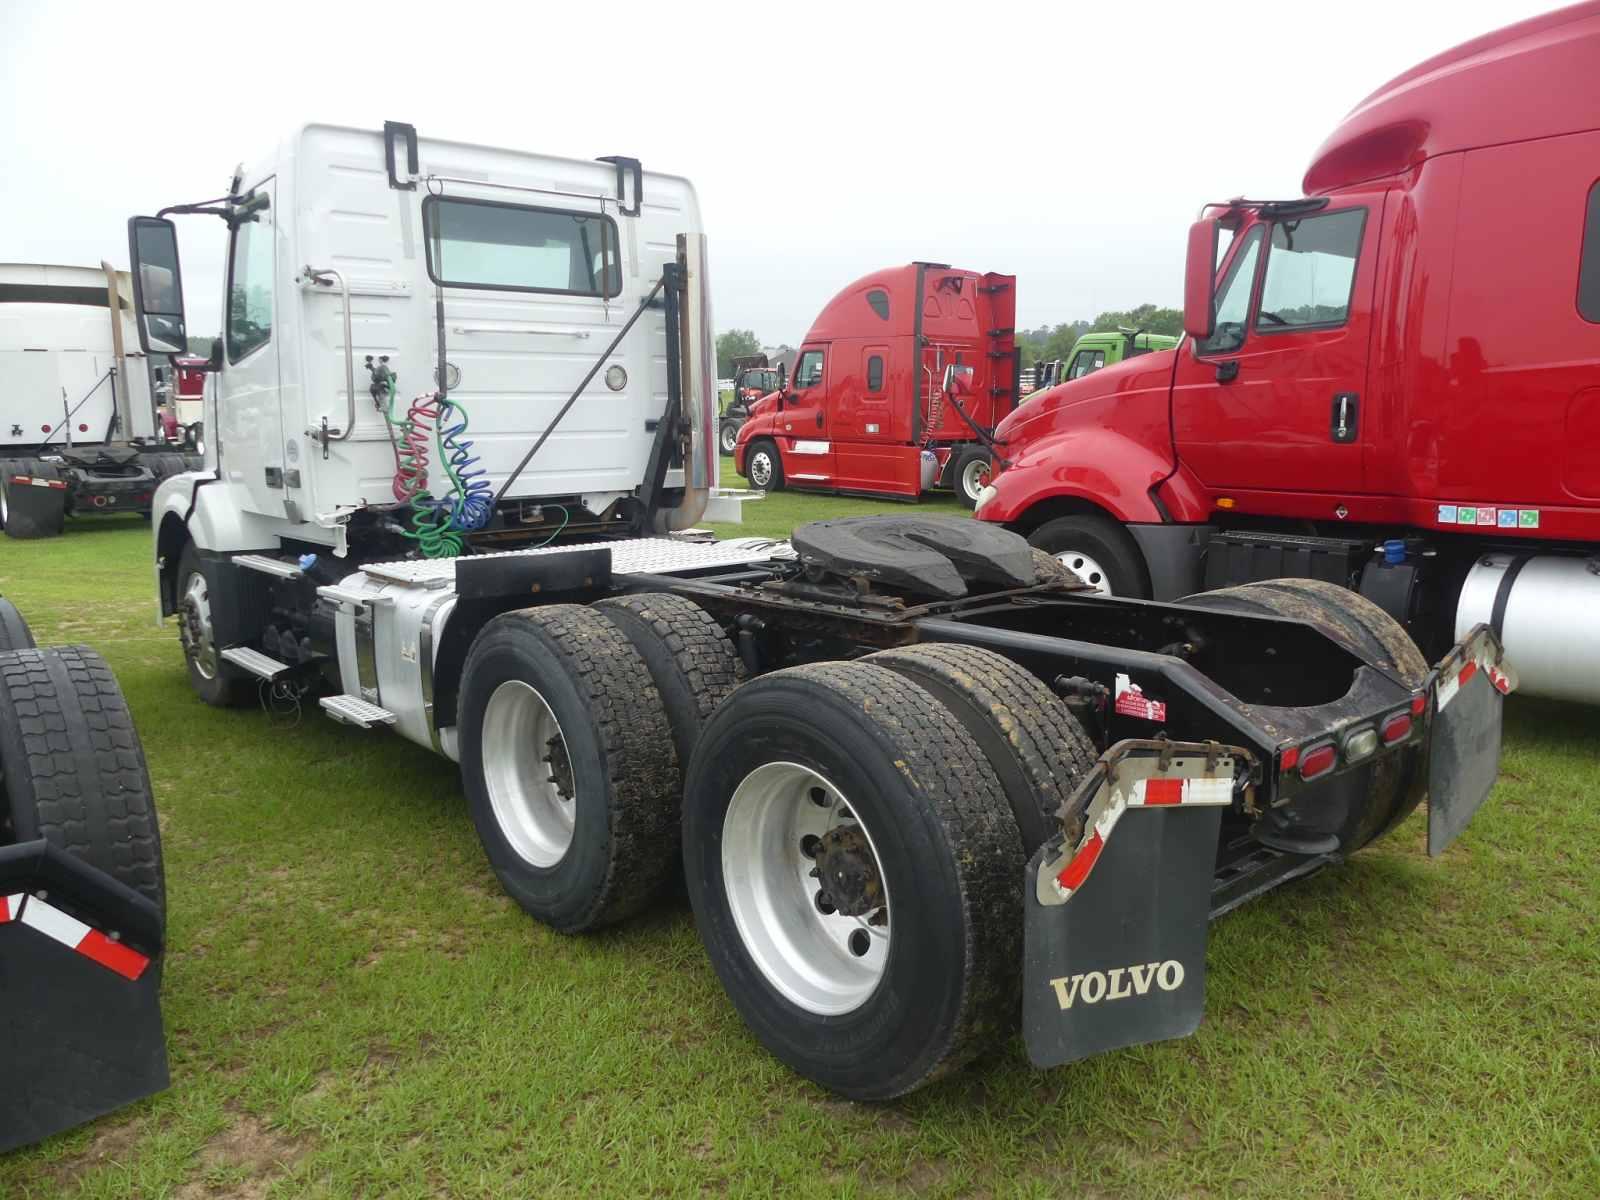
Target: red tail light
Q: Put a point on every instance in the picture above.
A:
(1288, 760)
(1318, 760)
(1395, 728)
(1418, 704)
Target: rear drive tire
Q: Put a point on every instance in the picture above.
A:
(970, 474)
(763, 467)
(14, 631)
(1347, 617)
(691, 661)
(568, 767)
(1373, 636)
(39, 514)
(924, 836)
(73, 769)
(1099, 550)
(219, 683)
(1035, 745)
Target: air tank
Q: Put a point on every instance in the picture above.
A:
(1549, 623)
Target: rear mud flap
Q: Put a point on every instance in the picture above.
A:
(1464, 758)
(80, 977)
(1123, 961)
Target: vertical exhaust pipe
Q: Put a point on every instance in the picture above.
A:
(697, 362)
(119, 382)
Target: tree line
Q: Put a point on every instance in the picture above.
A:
(1046, 343)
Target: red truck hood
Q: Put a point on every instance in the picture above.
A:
(1041, 413)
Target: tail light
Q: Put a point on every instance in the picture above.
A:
(1419, 704)
(1318, 761)
(1396, 727)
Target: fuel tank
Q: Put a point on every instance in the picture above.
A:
(1547, 609)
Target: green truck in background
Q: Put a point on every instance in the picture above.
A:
(1095, 350)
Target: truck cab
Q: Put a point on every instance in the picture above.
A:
(1387, 383)
(868, 409)
(1099, 349)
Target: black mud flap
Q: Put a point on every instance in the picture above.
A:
(1123, 961)
(80, 977)
(1464, 758)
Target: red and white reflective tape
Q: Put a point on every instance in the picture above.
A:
(1479, 657)
(1155, 792)
(34, 481)
(73, 934)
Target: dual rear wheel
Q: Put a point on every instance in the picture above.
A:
(852, 835)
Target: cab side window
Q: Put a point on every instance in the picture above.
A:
(1589, 262)
(875, 373)
(1233, 299)
(1085, 362)
(250, 287)
(808, 372)
(1311, 271)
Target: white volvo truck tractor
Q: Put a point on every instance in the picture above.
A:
(915, 775)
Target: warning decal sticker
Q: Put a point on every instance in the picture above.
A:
(1131, 702)
(1488, 515)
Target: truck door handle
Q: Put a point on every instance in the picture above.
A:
(1228, 371)
(819, 419)
(1346, 416)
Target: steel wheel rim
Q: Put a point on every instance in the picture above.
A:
(974, 478)
(760, 468)
(194, 628)
(730, 439)
(1087, 569)
(809, 956)
(523, 749)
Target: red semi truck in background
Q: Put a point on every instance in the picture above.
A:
(895, 390)
(1392, 383)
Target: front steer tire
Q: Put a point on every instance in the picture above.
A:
(216, 681)
(950, 858)
(617, 787)
(72, 767)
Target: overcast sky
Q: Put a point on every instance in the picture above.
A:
(1069, 145)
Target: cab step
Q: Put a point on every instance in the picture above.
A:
(352, 710)
(268, 565)
(261, 665)
(1246, 869)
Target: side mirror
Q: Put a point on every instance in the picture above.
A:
(214, 359)
(1199, 279)
(157, 285)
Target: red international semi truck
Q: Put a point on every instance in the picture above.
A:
(1391, 383)
(895, 389)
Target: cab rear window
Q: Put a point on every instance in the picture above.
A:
(517, 248)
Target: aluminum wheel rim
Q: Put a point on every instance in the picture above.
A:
(730, 439)
(974, 478)
(194, 629)
(1087, 569)
(521, 738)
(826, 963)
(760, 468)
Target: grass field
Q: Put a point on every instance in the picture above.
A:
(353, 1007)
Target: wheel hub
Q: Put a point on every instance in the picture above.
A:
(194, 627)
(848, 871)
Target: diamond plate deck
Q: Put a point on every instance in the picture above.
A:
(255, 662)
(636, 556)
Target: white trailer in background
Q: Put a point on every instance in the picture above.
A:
(79, 430)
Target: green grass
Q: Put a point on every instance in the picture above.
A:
(353, 1007)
